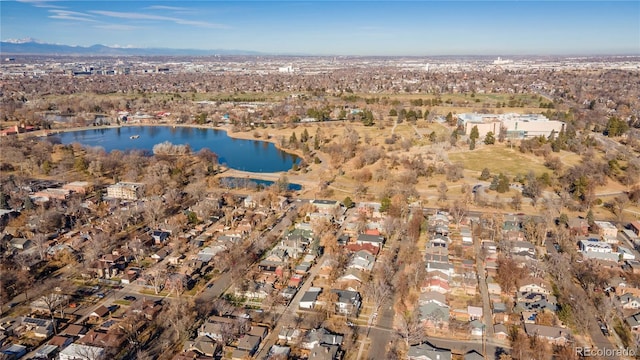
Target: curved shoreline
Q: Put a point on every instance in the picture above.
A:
(229, 133)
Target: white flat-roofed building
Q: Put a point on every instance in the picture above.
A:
(125, 191)
(518, 126)
(592, 245)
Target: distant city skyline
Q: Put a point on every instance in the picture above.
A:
(412, 28)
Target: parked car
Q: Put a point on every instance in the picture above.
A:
(130, 298)
(100, 295)
(603, 328)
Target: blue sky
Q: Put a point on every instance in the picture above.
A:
(335, 27)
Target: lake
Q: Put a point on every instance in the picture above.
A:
(246, 155)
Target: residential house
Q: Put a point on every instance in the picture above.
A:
(289, 335)
(632, 266)
(629, 301)
(556, 335)
(635, 227)
(432, 297)
(249, 343)
(81, 352)
(279, 352)
(374, 240)
(493, 287)
(14, 351)
(348, 302)
(47, 302)
(20, 243)
(500, 331)
(578, 226)
(160, 236)
(40, 328)
(161, 254)
(434, 315)
(522, 247)
(489, 246)
(535, 285)
(259, 331)
(203, 345)
(326, 206)
(325, 352)
(217, 328)
(426, 351)
(475, 312)
(467, 238)
(353, 276)
(445, 268)
(75, 330)
(634, 322)
(61, 341)
(528, 301)
(310, 298)
(476, 328)
(607, 231)
(362, 260)
(435, 257)
(437, 285)
(45, 352)
(320, 336)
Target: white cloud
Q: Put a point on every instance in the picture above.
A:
(117, 27)
(71, 15)
(42, 3)
(139, 16)
(164, 7)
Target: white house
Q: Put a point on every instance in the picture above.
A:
(593, 245)
(81, 352)
(310, 298)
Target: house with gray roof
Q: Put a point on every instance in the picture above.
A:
(553, 334)
(374, 240)
(634, 322)
(348, 302)
(426, 351)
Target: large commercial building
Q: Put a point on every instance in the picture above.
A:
(517, 126)
(125, 191)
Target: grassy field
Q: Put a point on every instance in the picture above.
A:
(499, 159)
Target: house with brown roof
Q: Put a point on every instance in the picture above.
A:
(578, 226)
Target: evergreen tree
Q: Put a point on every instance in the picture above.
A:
(590, 218)
(4, 204)
(28, 204)
(494, 183)
(385, 203)
(489, 139)
(305, 136)
(475, 134)
(503, 184)
(486, 174)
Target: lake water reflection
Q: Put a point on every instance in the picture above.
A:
(246, 155)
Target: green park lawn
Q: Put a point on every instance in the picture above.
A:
(499, 159)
